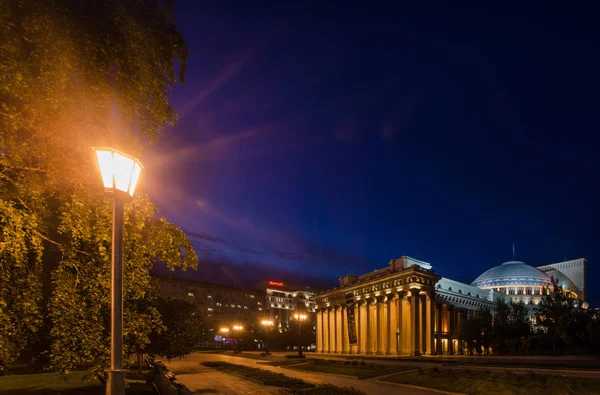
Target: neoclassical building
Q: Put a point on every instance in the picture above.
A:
(408, 309)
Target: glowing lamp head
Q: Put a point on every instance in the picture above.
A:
(300, 317)
(224, 330)
(238, 327)
(120, 172)
(267, 322)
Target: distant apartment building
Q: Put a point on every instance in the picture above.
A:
(283, 300)
(220, 306)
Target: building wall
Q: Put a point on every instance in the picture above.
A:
(220, 306)
(575, 270)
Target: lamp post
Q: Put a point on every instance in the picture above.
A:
(120, 175)
(238, 329)
(299, 318)
(267, 324)
(224, 331)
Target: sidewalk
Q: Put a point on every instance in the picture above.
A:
(190, 371)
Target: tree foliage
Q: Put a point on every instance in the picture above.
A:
(183, 329)
(76, 74)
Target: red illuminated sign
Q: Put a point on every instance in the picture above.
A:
(279, 284)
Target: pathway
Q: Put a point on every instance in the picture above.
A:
(190, 373)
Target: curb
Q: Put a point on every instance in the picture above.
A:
(418, 387)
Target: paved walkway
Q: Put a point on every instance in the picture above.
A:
(201, 379)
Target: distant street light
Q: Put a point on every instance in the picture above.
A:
(299, 318)
(238, 329)
(120, 175)
(267, 324)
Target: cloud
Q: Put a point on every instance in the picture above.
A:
(231, 71)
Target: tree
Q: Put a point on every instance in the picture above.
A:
(75, 75)
(555, 312)
(183, 329)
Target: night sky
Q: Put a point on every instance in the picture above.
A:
(315, 141)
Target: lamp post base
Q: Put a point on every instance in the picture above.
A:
(116, 382)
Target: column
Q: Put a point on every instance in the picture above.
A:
(451, 330)
(369, 326)
(366, 332)
(381, 327)
(389, 324)
(326, 330)
(423, 321)
(438, 323)
(345, 337)
(429, 350)
(332, 334)
(359, 334)
(339, 332)
(399, 323)
(407, 329)
(415, 340)
(319, 331)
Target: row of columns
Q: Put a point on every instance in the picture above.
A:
(401, 323)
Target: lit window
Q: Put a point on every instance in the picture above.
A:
(245, 307)
(210, 309)
(218, 304)
(209, 296)
(191, 294)
(233, 306)
(260, 309)
(259, 303)
(251, 296)
(239, 306)
(211, 329)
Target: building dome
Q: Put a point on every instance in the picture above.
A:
(512, 273)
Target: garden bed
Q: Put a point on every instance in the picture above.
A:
(361, 370)
(290, 384)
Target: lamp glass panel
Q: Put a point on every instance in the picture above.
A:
(135, 176)
(123, 169)
(105, 162)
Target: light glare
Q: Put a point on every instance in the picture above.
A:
(119, 171)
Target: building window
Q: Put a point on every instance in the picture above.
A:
(233, 306)
(245, 307)
(218, 304)
(259, 303)
(251, 296)
(260, 309)
(511, 291)
(520, 291)
(209, 296)
(191, 294)
(239, 306)
(210, 309)
(536, 291)
(528, 290)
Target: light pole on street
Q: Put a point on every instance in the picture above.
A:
(299, 318)
(238, 329)
(267, 324)
(224, 332)
(120, 175)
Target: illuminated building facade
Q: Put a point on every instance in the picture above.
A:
(283, 300)
(407, 309)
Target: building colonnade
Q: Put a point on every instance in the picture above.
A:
(409, 322)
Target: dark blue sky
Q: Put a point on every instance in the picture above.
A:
(323, 140)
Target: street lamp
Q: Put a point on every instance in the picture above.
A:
(120, 175)
(299, 318)
(238, 329)
(267, 324)
(224, 331)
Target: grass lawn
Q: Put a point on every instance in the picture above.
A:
(55, 384)
(498, 383)
(362, 371)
